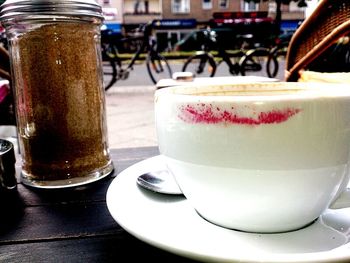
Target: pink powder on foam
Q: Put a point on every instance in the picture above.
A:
(202, 113)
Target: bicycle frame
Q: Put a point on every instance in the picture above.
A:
(140, 49)
(156, 64)
(144, 46)
(234, 68)
(210, 41)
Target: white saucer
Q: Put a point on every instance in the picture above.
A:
(170, 223)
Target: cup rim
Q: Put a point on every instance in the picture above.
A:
(255, 90)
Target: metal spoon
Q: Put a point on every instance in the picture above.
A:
(160, 182)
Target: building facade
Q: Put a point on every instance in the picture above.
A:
(133, 12)
(242, 15)
(141, 11)
(113, 14)
(176, 18)
(201, 10)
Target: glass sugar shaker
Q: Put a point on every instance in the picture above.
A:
(58, 86)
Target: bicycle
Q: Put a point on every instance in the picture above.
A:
(255, 60)
(277, 53)
(203, 62)
(267, 58)
(115, 68)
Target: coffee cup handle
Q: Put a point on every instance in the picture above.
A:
(342, 201)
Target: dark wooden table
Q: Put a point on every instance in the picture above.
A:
(72, 225)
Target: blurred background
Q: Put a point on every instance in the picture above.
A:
(175, 20)
(226, 29)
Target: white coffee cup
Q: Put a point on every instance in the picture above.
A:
(259, 157)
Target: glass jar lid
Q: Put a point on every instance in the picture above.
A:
(18, 9)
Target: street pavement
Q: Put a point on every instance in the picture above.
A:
(130, 116)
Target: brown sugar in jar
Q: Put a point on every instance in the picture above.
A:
(60, 102)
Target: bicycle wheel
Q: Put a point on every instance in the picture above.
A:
(158, 67)
(272, 64)
(254, 61)
(109, 73)
(201, 65)
(278, 54)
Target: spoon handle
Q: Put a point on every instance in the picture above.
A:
(160, 182)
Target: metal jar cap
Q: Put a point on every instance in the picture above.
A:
(19, 9)
(7, 165)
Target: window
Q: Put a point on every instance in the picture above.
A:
(180, 6)
(137, 7)
(146, 4)
(141, 7)
(223, 4)
(207, 4)
(284, 7)
(250, 6)
(293, 7)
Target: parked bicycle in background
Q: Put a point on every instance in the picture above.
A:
(115, 68)
(277, 53)
(251, 55)
(268, 57)
(204, 64)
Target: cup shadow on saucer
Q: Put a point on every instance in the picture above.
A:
(330, 231)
